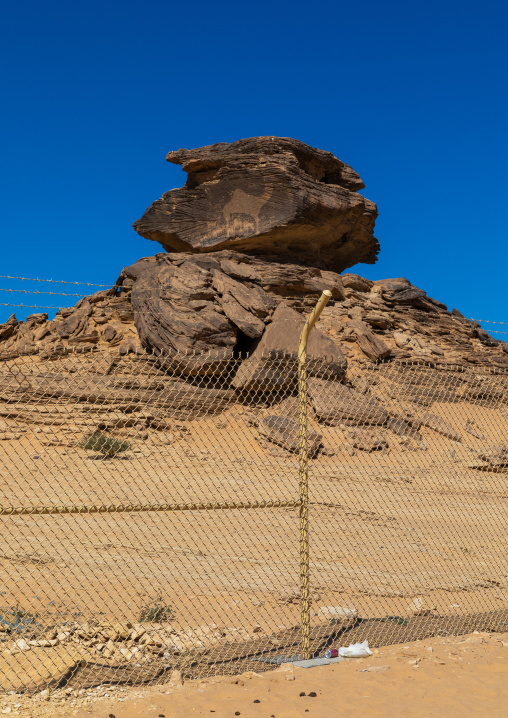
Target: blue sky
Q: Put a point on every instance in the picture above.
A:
(412, 95)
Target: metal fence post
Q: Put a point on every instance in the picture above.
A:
(303, 472)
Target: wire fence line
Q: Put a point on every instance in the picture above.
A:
(152, 515)
(111, 286)
(30, 306)
(28, 291)
(55, 281)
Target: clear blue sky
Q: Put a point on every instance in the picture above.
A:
(412, 95)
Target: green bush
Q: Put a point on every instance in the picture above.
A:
(104, 444)
(157, 612)
(16, 619)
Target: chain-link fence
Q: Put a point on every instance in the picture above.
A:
(151, 512)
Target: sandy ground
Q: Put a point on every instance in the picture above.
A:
(386, 527)
(455, 677)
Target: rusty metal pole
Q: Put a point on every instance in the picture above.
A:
(303, 472)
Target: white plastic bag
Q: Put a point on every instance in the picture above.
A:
(356, 650)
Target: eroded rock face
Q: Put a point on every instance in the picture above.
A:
(260, 372)
(206, 306)
(266, 195)
(200, 314)
(225, 303)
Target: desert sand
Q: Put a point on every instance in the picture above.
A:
(419, 520)
(456, 677)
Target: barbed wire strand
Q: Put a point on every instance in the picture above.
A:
(55, 281)
(92, 284)
(31, 306)
(42, 306)
(33, 291)
(489, 321)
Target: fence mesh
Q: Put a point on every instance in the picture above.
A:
(151, 511)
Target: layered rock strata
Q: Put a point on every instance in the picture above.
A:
(266, 195)
(261, 228)
(226, 304)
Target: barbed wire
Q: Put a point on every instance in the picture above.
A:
(489, 321)
(30, 306)
(331, 303)
(55, 281)
(33, 291)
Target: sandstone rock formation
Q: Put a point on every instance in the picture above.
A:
(266, 195)
(259, 231)
(210, 307)
(173, 314)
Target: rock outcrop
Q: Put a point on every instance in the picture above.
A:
(266, 195)
(211, 307)
(211, 331)
(337, 404)
(261, 228)
(259, 372)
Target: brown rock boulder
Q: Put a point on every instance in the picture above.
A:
(372, 346)
(401, 427)
(440, 425)
(284, 432)
(176, 312)
(336, 404)
(273, 364)
(496, 456)
(265, 195)
(6, 331)
(359, 284)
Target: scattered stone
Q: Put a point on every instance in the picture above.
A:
(336, 404)
(495, 457)
(367, 439)
(417, 607)
(176, 678)
(345, 614)
(471, 428)
(359, 284)
(285, 432)
(401, 427)
(21, 645)
(438, 424)
(372, 346)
